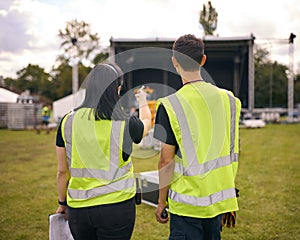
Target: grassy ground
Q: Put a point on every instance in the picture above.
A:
(268, 179)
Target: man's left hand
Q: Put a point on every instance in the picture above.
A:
(229, 219)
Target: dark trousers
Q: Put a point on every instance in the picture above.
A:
(110, 221)
(188, 228)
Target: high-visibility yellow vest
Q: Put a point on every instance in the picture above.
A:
(205, 122)
(98, 174)
(45, 111)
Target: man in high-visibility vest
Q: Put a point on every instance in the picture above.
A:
(198, 128)
(45, 114)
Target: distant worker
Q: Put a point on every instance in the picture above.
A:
(95, 179)
(46, 112)
(198, 127)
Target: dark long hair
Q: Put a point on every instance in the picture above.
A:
(101, 94)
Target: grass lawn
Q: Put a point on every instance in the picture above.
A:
(268, 179)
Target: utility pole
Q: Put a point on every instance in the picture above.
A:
(251, 75)
(74, 69)
(291, 78)
(271, 86)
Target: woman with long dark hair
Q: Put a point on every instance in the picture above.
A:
(95, 179)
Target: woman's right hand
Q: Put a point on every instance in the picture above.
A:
(141, 96)
(63, 209)
(144, 111)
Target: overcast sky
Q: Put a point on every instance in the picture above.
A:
(29, 28)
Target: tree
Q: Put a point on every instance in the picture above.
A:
(62, 77)
(78, 41)
(208, 18)
(10, 83)
(79, 45)
(100, 57)
(270, 81)
(36, 80)
(297, 89)
(262, 73)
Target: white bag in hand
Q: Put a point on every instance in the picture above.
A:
(59, 227)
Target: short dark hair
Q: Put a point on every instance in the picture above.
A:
(188, 51)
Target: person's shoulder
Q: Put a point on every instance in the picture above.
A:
(160, 107)
(163, 100)
(230, 94)
(66, 116)
(224, 91)
(136, 128)
(133, 119)
(161, 114)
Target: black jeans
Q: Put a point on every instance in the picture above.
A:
(188, 228)
(109, 221)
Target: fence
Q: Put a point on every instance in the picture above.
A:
(18, 116)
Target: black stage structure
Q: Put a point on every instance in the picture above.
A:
(148, 62)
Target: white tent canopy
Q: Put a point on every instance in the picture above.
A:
(62, 106)
(66, 104)
(8, 96)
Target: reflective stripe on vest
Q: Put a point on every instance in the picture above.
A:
(204, 120)
(67, 135)
(202, 201)
(114, 171)
(233, 156)
(94, 182)
(96, 192)
(194, 168)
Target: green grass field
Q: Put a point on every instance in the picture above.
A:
(268, 179)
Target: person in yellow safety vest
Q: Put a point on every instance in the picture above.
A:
(95, 179)
(198, 128)
(45, 114)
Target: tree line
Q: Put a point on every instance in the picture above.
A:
(80, 45)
